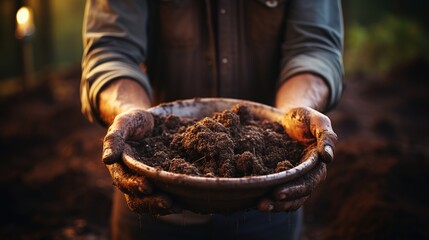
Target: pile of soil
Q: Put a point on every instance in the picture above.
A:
(233, 143)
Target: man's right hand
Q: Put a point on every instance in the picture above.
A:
(122, 106)
(139, 192)
(132, 124)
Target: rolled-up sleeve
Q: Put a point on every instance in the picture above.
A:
(313, 43)
(115, 44)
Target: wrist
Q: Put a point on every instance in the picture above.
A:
(120, 96)
(303, 90)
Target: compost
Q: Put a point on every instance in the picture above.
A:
(232, 143)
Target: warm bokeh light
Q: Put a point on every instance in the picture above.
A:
(25, 26)
(23, 15)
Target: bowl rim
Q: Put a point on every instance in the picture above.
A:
(158, 174)
(308, 161)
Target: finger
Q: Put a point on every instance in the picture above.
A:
(291, 191)
(303, 187)
(265, 205)
(316, 176)
(326, 146)
(156, 204)
(129, 183)
(286, 206)
(130, 125)
(113, 146)
(321, 128)
(268, 205)
(114, 141)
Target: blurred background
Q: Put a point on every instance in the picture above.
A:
(53, 185)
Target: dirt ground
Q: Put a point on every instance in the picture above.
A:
(54, 186)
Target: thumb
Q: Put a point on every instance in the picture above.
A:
(113, 145)
(326, 138)
(130, 125)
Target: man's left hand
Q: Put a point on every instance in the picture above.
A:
(308, 126)
(291, 196)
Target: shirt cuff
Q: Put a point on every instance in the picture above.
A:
(100, 76)
(330, 71)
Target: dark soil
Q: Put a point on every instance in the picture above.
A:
(233, 143)
(53, 185)
(376, 187)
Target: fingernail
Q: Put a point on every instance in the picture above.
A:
(107, 153)
(270, 207)
(282, 196)
(328, 150)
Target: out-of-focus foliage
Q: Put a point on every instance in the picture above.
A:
(67, 32)
(384, 44)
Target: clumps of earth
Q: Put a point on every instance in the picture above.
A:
(233, 143)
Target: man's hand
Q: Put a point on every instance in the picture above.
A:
(291, 196)
(122, 105)
(132, 125)
(309, 126)
(139, 193)
(299, 96)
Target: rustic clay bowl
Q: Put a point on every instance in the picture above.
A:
(216, 195)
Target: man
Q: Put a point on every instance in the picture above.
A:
(278, 52)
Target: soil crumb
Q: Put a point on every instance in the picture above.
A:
(233, 143)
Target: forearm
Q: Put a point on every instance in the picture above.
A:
(119, 96)
(303, 90)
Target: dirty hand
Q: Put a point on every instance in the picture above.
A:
(132, 125)
(291, 196)
(299, 96)
(309, 126)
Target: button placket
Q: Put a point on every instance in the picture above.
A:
(227, 46)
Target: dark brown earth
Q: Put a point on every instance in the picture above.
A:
(232, 143)
(54, 186)
(377, 187)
